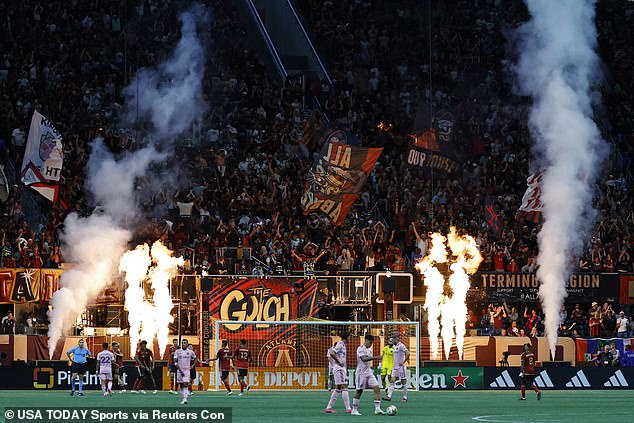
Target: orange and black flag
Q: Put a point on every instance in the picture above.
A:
(336, 179)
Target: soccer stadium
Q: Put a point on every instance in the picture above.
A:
(316, 210)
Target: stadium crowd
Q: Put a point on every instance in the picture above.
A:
(247, 167)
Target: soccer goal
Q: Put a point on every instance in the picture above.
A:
(288, 355)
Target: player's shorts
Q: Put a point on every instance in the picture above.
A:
(103, 376)
(243, 372)
(79, 368)
(527, 380)
(224, 374)
(399, 372)
(143, 372)
(192, 373)
(386, 371)
(183, 377)
(173, 368)
(341, 376)
(365, 381)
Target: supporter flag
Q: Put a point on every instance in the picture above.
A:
(336, 178)
(43, 157)
(492, 218)
(432, 147)
(531, 208)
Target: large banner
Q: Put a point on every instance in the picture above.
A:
(587, 348)
(43, 157)
(562, 378)
(28, 285)
(433, 147)
(258, 299)
(337, 177)
(525, 286)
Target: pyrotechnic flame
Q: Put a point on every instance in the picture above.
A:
(452, 310)
(165, 267)
(447, 322)
(149, 319)
(466, 251)
(135, 264)
(434, 282)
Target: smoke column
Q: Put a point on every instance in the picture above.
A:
(557, 67)
(169, 101)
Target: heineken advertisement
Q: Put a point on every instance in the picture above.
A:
(450, 378)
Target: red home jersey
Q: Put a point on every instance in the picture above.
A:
(171, 355)
(241, 358)
(224, 357)
(118, 359)
(528, 361)
(144, 357)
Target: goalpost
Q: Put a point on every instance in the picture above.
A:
(288, 355)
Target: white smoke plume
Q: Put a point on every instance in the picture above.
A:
(169, 100)
(558, 67)
(170, 97)
(94, 244)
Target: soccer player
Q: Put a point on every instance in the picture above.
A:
(331, 364)
(144, 366)
(527, 372)
(78, 367)
(365, 377)
(401, 356)
(241, 358)
(339, 372)
(117, 365)
(185, 360)
(172, 365)
(387, 363)
(104, 369)
(224, 356)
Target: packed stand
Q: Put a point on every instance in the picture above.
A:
(247, 167)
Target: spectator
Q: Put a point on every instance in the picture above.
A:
(622, 326)
(595, 325)
(609, 324)
(604, 357)
(8, 323)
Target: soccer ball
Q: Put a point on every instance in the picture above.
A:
(392, 410)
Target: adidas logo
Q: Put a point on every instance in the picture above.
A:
(616, 380)
(578, 381)
(503, 381)
(543, 380)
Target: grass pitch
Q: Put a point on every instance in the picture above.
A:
(308, 406)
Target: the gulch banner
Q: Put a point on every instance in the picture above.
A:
(43, 157)
(28, 285)
(258, 299)
(335, 181)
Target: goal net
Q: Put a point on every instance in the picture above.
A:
(293, 354)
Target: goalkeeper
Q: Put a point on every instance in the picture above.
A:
(387, 362)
